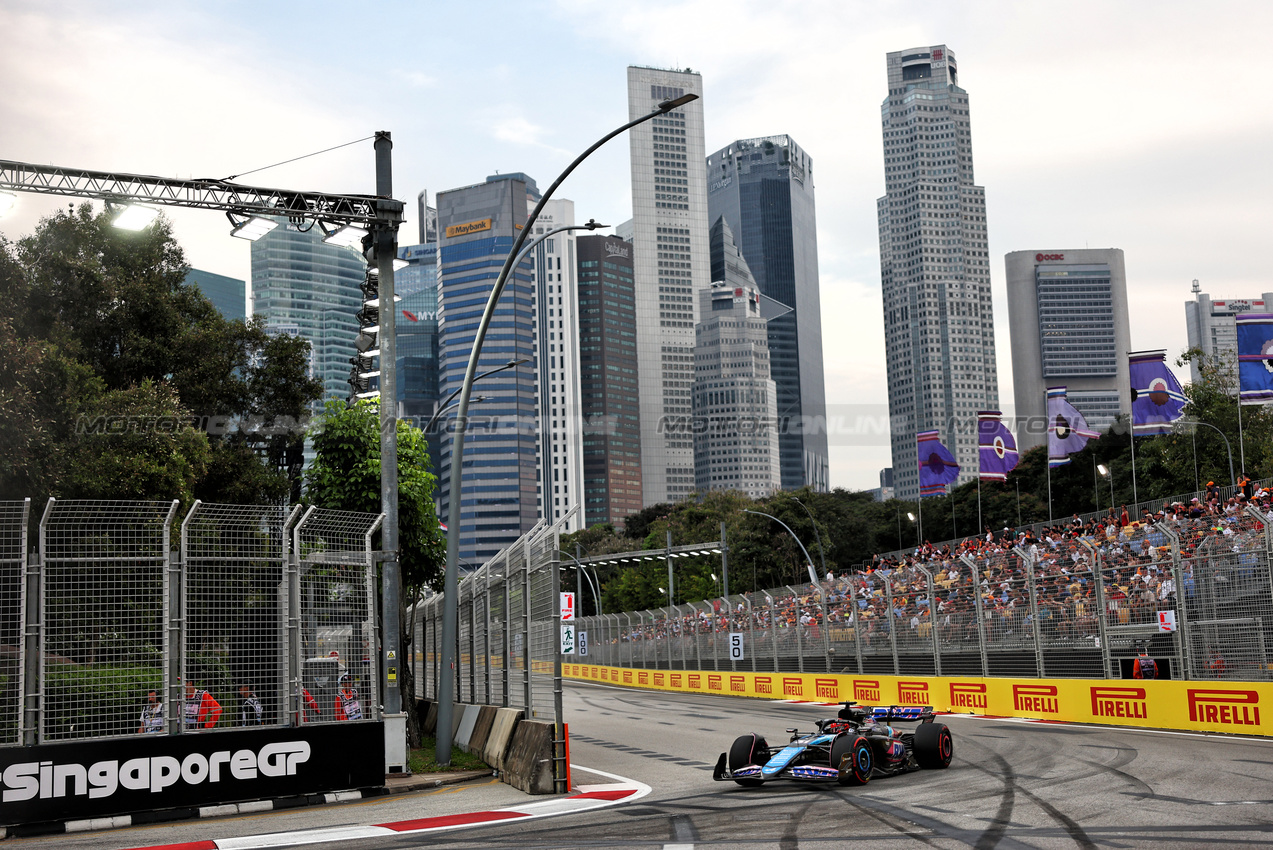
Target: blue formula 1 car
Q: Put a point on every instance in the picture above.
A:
(851, 748)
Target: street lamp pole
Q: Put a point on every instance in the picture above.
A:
(450, 613)
(817, 534)
(812, 577)
(1233, 482)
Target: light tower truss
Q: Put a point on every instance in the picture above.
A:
(359, 210)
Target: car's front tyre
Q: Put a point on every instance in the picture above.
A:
(853, 757)
(748, 750)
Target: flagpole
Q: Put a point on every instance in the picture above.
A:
(979, 522)
(1241, 444)
(1135, 499)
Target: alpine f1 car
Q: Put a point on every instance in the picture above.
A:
(851, 748)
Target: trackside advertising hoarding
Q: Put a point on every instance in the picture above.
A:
(1243, 708)
(101, 778)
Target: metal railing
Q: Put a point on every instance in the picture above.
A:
(110, 630)
(1195, 592)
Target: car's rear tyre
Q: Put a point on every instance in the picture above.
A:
(853, 757)
(748, 750)
(934, 746)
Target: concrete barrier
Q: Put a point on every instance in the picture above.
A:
(528, 766)
(457, 717)
(463, 732)
(503, 726)
(431, 720)
(481, 730)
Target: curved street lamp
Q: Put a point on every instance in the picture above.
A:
(1233, 482)
(817, 534)
(450, 593)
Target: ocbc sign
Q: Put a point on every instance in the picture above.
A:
(1039, 258)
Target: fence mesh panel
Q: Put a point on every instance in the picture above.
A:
(13, 561)
(104, 612)
(234, 613)
(338, 643)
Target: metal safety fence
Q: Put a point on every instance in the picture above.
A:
(112, 629)
(508, 640)
(1194, 592)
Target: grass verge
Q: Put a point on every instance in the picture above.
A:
(423, 759)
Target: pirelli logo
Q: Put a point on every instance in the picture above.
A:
(714, 683)
(1038, 699)
(674, 679)
(792, 687)
(971, 695)
(1120, 702)
(627, 677)
(826, 689)
(1231, 708)
(764, 685)
(643, 678)
(695, 680)
(866, 690)
(595, 672)
(738, 684)
(912, 693)
(658, 680)
(605, 674)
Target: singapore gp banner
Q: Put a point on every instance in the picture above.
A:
(101, 778)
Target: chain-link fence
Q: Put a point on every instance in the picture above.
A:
(116, 631)
(13, 616)
(509, 629)
(1195, 592)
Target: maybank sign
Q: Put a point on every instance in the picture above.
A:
(467, 227)
(1165, 704)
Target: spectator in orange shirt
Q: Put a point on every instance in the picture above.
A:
(201, 708)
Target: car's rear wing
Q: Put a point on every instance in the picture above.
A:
(903, 713)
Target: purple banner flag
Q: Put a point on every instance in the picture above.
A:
(1067, 429)
(1157, 399)
(996, 448)
(1255, 357)
(937, 466)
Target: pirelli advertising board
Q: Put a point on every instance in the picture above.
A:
(1233, 707)
(100, 778)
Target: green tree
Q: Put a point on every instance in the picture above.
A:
(345, 475)
(89, 315)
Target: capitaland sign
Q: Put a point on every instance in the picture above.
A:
(616, 249)
(454, 230)
(109, 777)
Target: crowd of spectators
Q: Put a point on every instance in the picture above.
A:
(945, 584)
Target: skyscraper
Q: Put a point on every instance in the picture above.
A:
(669, 236)
(934, 265)
(305, 287)
(227, 294)
(557, 335)
(735, 400)
(608, 380)
(499, 500)
(764, 189)
(1212, 324)
(1068, 320)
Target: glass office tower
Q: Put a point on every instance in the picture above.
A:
(934, 266)
(763, 188)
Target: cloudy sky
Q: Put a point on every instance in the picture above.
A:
(1134, 125)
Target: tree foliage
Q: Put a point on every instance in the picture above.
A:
(110, 354)
(345, 475)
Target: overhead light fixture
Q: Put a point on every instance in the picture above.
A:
(252, 228)
(367, 341)
(399, 265)
(369, 394)
(375, 302)
(347, 236)
(373, 374)
(136, 217)
(8, 201)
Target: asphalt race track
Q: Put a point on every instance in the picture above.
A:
(1012, 785)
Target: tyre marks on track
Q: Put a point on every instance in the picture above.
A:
(1011, 787)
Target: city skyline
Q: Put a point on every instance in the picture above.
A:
(1201, 224)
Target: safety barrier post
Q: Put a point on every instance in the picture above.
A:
(1184, 655)
(932, 617)
(975, 587)
(1094, 557)
(891, 620)
(1024, 555)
